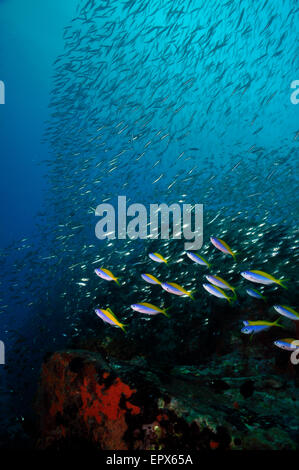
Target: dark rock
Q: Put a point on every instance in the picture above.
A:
(274, 383)
(84, 402)
(219, 385)
(247, 389)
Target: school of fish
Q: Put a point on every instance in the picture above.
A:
(217, 288)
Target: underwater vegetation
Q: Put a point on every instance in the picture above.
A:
(164, 102)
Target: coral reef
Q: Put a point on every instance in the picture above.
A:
(85, 401)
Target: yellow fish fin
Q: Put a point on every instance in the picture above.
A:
(191, 294)
(276, 323)
(122, 326)
(231, 300)
(282, 282)
(165, 312)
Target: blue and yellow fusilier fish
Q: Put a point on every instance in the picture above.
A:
(256, 294)
(149, 309)
(253, 327)
(287, 312)
(219, 282)
(218, 292)
(198, 259)
(288, 344)
(106, 274)
(158, 258)
(223, 246)
(108, 317)
(176, 289)
(260, 277)
(150, 279)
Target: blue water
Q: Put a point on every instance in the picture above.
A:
(30, 39)
(164, 102)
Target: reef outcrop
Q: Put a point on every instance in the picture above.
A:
(85, 401)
